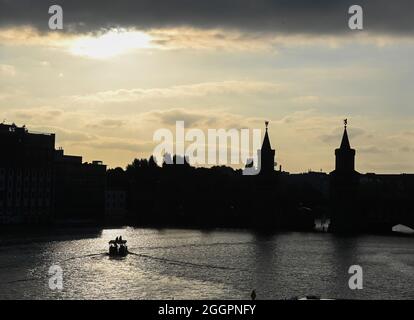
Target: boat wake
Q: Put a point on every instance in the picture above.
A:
(184, 263)
(86, 256)
(164, 260)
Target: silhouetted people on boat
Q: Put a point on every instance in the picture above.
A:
(118, 247)
(113, 249)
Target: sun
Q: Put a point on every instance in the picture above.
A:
(110, 44)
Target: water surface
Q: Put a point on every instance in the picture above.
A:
(189, 264)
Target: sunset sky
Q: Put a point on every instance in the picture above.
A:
(119, 71)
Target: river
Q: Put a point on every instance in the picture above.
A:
(192, 264)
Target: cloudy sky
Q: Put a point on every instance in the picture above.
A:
(120, 70)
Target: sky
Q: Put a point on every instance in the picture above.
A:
(118, 72)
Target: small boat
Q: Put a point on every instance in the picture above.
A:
(118, 248)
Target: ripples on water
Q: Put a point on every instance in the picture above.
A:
(188, 264)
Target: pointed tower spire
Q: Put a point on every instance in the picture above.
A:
(266, 154)
(345, 155)
(266, 141)
(345, 140)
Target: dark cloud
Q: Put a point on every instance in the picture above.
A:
(406, 149)
(169, 117)
(288, 16)
(107, 124)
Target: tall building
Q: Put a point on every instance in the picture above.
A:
(344, 184)
(26, 175)
(266, 155)
(345, 155)
(39, 184)
(344, 177)
(79, 188)
(367, 202)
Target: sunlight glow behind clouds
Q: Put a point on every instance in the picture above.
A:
(110, 44)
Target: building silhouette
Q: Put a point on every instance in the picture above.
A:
(344, 179)
(26, 175)
(266, 155)
(39, 184)
(344, 182)
(345, 155)
(79, 189)
(367, 202)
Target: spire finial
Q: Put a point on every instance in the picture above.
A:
(345, 123)
(267, 124)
